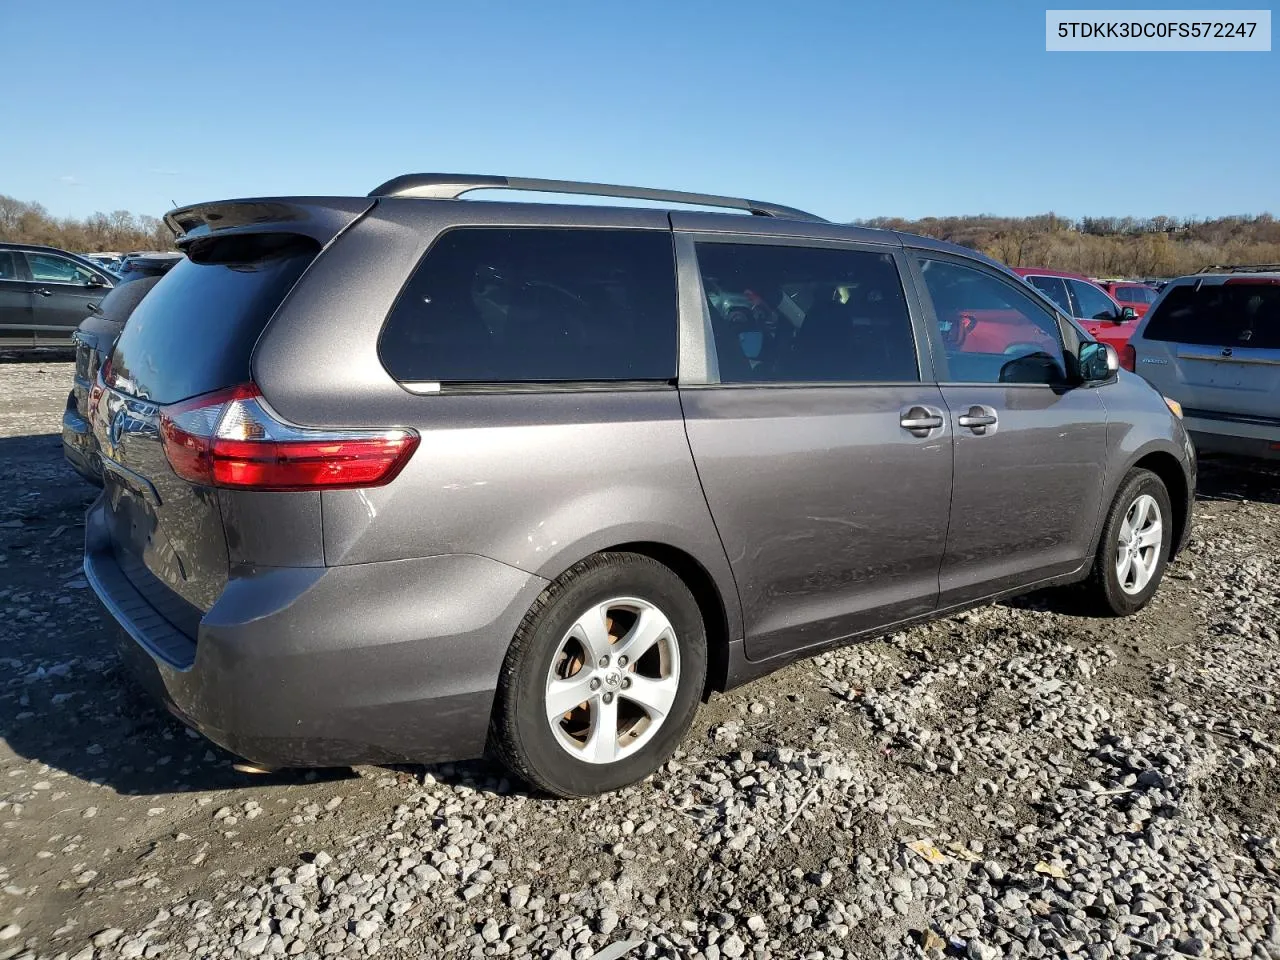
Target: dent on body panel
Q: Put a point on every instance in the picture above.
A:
(273, 529)
(826, 511)
(537, 481)
(1056, 449)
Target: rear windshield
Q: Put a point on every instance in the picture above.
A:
(1219, 315)
(124, 299)
(194, 331)
(1135, 294)
(536, 304)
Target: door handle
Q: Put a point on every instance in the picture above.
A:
(978, 419)
(42, 292)
(920, 420)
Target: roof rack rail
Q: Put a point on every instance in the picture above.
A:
(1242, 268)
(450, 186)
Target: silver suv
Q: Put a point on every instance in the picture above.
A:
(406, 477)
(1212, 342)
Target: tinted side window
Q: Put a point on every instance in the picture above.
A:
(806, 314)
(990, 331)
(536, 304)
(1219, 315)
(50, 269)
(1092, 302)
(8, 266)
(1054, 288)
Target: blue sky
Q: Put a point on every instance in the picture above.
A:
(847, 109)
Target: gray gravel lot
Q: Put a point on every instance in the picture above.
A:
(1014, 781)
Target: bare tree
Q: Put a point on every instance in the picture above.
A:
(23, 222)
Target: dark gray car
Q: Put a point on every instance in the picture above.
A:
(45, 293)
(94, 339)
(403, 477)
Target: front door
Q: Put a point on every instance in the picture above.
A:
(63, 291)
(824, 456)
(1030, 447)
(16, 316)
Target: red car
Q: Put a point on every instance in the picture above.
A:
(1091, 306)
(1130, 294)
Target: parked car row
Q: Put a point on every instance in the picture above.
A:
(346, 516)
(45, 293)
(110, 261)
(93, 340)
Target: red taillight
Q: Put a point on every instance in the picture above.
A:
(106, 373)
(1129, 357)
(230, 439)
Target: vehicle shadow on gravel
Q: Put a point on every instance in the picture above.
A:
(66, 700)
(1238, 480)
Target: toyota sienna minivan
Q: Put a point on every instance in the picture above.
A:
(409, 477)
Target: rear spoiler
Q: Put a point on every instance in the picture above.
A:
(320, 218)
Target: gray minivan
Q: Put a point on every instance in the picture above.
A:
(406, 477)
(1211, 341)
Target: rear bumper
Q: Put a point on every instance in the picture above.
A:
(329, 666)
(1234, 437)
(78, 445)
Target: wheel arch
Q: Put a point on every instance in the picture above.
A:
(711, 603)
(1167, 467)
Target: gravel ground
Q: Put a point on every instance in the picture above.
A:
(1014, 781)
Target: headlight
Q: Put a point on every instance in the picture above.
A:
(1175, 406)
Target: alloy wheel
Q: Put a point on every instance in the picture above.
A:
(613, 680)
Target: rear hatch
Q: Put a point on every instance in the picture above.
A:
(193, 334)
(1215, 348)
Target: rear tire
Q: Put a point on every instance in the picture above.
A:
(1134, 548)
(602, 679)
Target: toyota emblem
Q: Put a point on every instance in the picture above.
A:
(117, 427)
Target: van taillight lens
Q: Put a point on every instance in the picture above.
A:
(231, 439)
(1129, 357)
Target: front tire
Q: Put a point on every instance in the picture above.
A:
(1134, 548)
(602, 679)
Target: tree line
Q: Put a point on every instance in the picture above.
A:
(1096, 246)
(1106, 246)
(120, 230)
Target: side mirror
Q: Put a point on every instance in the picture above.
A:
(1098, 362)
(1126, 314)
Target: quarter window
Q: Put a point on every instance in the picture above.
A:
(989, 330)
(1054, 288)
(794, 314)
(47, 268)
(8, 266)
(501, 305)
